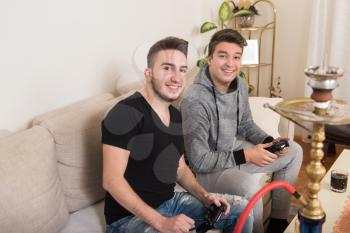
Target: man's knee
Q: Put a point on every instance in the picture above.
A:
(238, 204)
(238, 183)
(295, 151)
(138, 225)
(249, 186)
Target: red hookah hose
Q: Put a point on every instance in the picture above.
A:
(258, 195)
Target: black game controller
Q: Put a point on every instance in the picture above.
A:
(214, 214)
(210, 218)
(277, 146)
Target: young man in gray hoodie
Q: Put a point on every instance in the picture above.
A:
(223, 144)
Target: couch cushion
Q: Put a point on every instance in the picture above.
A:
(87, 220)
(77, 135)
(31, 197)
(79, 153)
(265, 118)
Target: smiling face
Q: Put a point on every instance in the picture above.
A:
(167, 76)
(224, 64)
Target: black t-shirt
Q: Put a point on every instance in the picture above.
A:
(155, 151)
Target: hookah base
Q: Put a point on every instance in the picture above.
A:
(307, 225)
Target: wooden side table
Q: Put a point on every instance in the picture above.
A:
(332, 202)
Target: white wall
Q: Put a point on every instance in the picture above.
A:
(293, 22)
(56, 52)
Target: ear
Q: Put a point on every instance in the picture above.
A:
(148, 74)
(209, 59)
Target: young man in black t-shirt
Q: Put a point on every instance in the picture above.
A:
(143, 156)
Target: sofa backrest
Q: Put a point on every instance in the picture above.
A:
(77, 138)
(31, 195)
(78, 149)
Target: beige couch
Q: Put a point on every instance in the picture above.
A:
(50, 174)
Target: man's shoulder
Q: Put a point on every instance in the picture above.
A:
(194, 93)
(133, 101)
(242, 85)
(131, 106)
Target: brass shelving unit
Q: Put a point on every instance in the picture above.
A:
(257, 32)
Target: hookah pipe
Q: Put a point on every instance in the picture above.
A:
(322, 80)
(262, 192)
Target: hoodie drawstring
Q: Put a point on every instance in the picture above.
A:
(217, 119)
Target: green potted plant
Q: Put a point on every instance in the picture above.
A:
(229, 10)
(244, 13)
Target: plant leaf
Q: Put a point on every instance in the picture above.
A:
(242, 75)
(224, 12)
(206, 50)
(243, 12)
(207, 26)
(250, 88)
(201, 62)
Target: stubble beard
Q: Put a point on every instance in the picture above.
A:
(162, 96)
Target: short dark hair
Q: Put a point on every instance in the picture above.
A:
(226, 35)
(165, 44)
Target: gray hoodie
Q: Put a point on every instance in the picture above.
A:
(214, 128)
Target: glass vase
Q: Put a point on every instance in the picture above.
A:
(245, 21)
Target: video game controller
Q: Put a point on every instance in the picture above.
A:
(214, 214)
(210, 218)
(277, 146)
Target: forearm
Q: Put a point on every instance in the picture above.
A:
(126, 196)
(187, 180)
(204, 160)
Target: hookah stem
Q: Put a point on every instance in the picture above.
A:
(262, 192)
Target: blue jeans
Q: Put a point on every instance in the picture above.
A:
(184, 203)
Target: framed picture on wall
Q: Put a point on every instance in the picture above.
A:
(251, 53)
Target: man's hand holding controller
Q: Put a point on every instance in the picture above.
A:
(279, 146)
(261, 155)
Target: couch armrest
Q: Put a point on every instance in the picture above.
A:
(286, 128)
(265, 118)
(271, 122)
